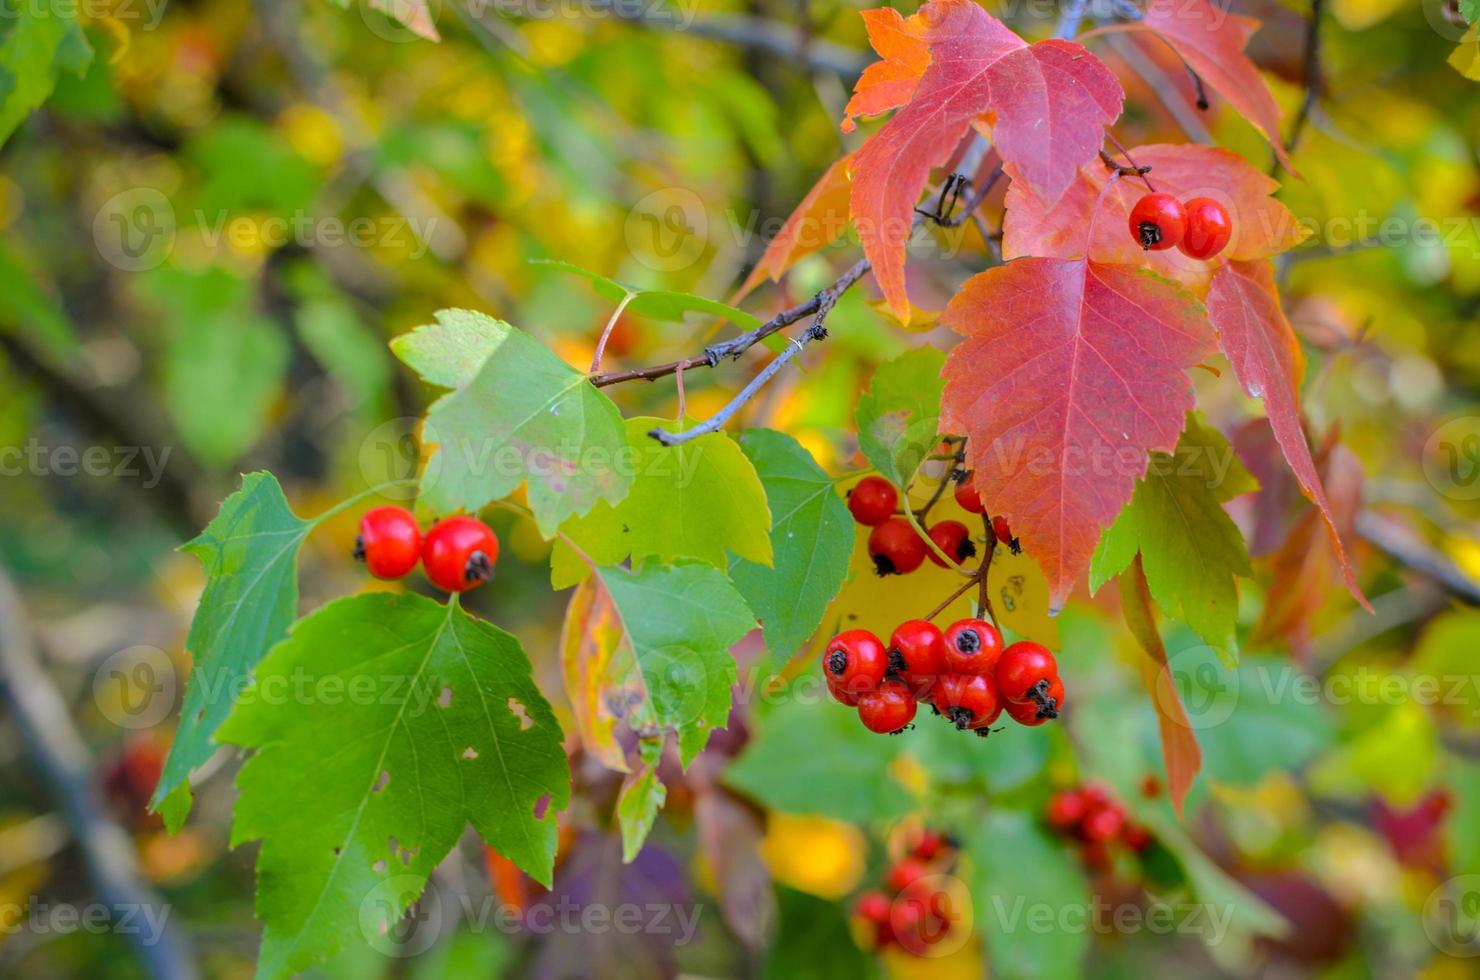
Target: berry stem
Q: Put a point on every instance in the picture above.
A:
(965, 586)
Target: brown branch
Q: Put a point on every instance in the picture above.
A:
(1311, 75)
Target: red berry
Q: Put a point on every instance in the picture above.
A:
(873, 906)
(390, 541)
(1039, 708)
(1136, 837)
(904, 874)
(1024, 666)
(1065, 809)
(888, 709)
(872, 500)
(854, 661)
(917, 654)
(458, 553)
(1208, 228)
(954, 539)
(840, 693)
(968, 498)
(1150, 786)
(931, 845)
(895, 547)
(1102, 823)
(967, 700)
(972, 646)
(1158, 221)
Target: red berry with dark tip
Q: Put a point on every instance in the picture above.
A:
(390, 541)
(1158, 222)
(872, 501)
(954, 539)
(968, 498)
(458, 553)
(917, 654)
(1024, 666)
(1039, 708)
(972, 646)
(855, 662)
(1208, 228)
(895, 548)
(888, 709)
(967, 700)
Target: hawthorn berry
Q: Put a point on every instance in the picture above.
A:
(895, 547)
(840, 693)
(854, 662)
(967, 700)
(873, 906)
(458, 553)
(917, 654)
(872, 501)
(972, 646)
(904, 874)
(1158, 222)
(1002, 531)
(390, 541)
(930, 845)
(968, 498)
(1136, 837)
(1065, 809)
(954, 539)
(886, 709)
(1102, 823)
(1023, 667)
(1208, 228)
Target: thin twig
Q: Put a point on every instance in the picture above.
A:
(984, 598)
(1397, 544)
(1311, 76)
(965, 586)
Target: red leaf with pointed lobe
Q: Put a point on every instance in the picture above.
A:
(1045, 104)
(1070, 374)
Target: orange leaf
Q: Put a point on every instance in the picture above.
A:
(589, 642)
(1047, 105)
(1244, 307)
(1179, 748)
(820, 218)
(1071, 373)
(890, 83)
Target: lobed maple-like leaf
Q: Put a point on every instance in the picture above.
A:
(1070, 374)
(819, 220)
(1212, 42)
(904, 45)
(1244, 307)
(1262, 226)
(1046, 105)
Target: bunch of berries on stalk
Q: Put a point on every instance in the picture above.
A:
(963, 674)
(1097, 822)
(894, 546)
(458, 553)
(916, 909)
(1199, 228)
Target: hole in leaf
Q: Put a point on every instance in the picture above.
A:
(470, 753)
(516, 708)
(379, 867)
(540, 806)
(382, 782)
(444, 700)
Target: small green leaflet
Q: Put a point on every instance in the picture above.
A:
(383, 725)
(1469, 10)
(899, 415)
(523, 414)
(681, 621)
(43, 39)
(693, 500)
(642, 797)
(1190, 547)
(250, 554)
(656, 304)
(1022, 877)
(811, 540)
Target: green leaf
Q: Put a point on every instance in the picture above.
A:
(693, 500)
(383, 725)
(250, 555)
(813, 941)
(1469, 10)
(1189, 546)
(898, 417)
(42, 40)
(681, 621)
(524, 414)
(814, 757)
(811, 542)
(637, 808)
(221, 375)
(1024, 877)
(1463, 827)
(27, 305)
(1251, 721)
(657, 304)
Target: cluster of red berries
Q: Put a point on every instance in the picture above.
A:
(1097, 821)
(971, 502)
(458, 552)
(963, 674)
(912, 912)
(1199, 228)
(896, 548)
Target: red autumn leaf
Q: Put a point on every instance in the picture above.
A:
(1244, 307)
(819, 220)
(1046, 105)
(1212, 41)
(890, 83)
(1179, 749)
(1262, 226)
(1072, 371)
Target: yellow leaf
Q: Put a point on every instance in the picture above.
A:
(816, 855)
(589, 644)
